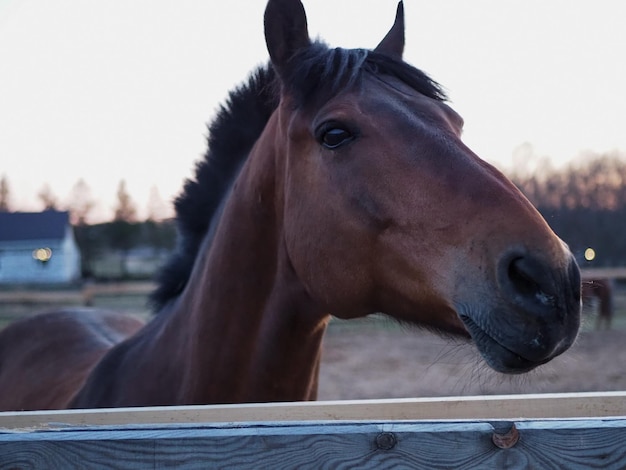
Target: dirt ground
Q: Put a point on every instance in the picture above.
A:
(374, 362)
(374, 358)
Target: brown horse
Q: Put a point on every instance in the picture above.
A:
(602, 290)
(336, 182)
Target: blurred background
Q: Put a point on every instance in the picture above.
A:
(103, 113)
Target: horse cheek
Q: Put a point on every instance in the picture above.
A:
(335, 275)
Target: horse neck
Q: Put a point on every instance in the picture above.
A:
(254, 333)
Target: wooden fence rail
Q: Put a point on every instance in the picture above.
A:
(603, 273)
(537, 444)
(519, 431)
(65, 296)
(493, 407)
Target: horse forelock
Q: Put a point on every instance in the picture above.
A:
(381, 64)
(317, 73)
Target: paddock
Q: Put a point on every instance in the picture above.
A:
(576, 430)
(572, 430)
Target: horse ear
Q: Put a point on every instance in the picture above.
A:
(393, 43)
(285, 30)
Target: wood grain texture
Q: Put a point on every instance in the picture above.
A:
(537, 406)
(545, 444)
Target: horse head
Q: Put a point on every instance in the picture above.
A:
(385, 209)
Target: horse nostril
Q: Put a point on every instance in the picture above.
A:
(521, 277)
(527, 279)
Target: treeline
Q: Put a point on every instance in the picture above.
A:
(82, 205)
(584, 203)
(106, 248)
(149, 239)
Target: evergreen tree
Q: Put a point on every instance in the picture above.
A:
(124, 231)
(125, 209)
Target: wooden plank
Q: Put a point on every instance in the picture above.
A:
(121, 288)
(33, 295)
(537, 406)
(571, 444)
(603, 273)
(30, 296)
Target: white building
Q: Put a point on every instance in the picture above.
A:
(37, 248)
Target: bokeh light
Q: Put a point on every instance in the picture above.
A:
(42, 254)
(590, 254)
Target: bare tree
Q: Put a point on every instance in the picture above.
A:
(5, 194)
(157, 208)
(585, 203)
(80, 202)
(48, 199)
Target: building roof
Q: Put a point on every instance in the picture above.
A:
(46, 225)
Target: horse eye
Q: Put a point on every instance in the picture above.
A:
(335, 137)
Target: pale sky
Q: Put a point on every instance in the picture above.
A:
(123, 89)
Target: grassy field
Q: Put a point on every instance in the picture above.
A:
(127, 297)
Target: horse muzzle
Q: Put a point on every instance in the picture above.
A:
(534, 317)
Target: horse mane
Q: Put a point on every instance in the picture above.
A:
(314, 75)
(237, 125)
